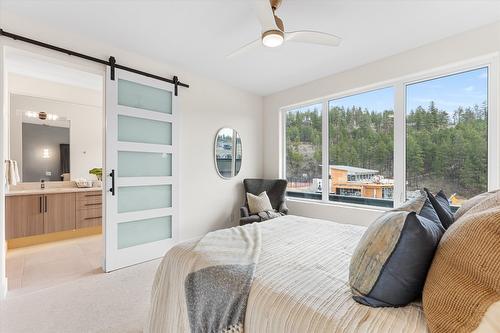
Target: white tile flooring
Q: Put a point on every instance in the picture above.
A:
(37, 267)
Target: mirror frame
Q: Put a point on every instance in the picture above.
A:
(233, 164)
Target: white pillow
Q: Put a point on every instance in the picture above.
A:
(259, 203)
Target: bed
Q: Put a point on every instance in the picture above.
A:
(300, 284)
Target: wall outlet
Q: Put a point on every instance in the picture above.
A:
(48, 173)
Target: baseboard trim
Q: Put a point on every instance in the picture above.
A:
(52, 237)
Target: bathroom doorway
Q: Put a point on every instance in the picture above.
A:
(54, 156)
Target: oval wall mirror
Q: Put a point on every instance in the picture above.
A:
(228, 152)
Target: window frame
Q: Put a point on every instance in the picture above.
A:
(490, 61)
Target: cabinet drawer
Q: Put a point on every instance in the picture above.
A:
(89, 217)
(88, 200)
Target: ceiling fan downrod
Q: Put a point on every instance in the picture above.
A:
(279, 22)
(275, 4)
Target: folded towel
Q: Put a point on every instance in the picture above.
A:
(11, 172)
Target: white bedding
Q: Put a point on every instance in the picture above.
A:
(301, 285)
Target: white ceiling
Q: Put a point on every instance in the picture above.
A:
(198, 34)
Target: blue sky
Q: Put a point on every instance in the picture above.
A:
(376, 100)
(448, 92)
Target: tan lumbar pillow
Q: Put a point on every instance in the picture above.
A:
(463, 281)
(260, 203)
(479, 202)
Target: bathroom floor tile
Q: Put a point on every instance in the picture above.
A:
(14, 266)
(42, 266)
(55, 253)
(55, 270)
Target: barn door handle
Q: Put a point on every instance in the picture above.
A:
(112, 175)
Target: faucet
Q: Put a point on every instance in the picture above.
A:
(42, 183)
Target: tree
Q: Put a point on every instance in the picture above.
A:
(443, 150)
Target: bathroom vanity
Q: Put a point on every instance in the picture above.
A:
(31, 212)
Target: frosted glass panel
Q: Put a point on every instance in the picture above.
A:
(132, 129)
(141, 164)
(144, 231)
(144, 97)
(135, 198)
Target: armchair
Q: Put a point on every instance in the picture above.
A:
(275, 189)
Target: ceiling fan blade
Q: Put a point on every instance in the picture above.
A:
(313, 37)
(265, 14)
(245, 48)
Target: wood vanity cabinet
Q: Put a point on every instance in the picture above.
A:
(30, 215)
(24, 216)
(88, 209)
(60, 214)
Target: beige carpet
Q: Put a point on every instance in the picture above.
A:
(112, 302)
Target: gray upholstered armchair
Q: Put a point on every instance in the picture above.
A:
(275, 188)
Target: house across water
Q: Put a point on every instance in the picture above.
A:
(359, 182)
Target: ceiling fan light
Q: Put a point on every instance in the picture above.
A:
(272, 38)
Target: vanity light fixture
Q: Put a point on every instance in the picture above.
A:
(45, 153)
(41, 115)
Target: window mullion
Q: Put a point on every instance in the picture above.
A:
(282, 148)
(399, 145)
(493, 127)
(325, 169)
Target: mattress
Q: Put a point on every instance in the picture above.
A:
(300, 285)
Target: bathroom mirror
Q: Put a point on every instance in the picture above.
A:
(228, 152)
(53, 140)
(45, 151)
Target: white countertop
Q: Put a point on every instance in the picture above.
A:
(52, 190)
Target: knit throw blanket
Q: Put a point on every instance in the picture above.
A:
(220, 279)
(269, 214)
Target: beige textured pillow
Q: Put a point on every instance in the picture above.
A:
(491, 320)
(479, 202)
(463, 281)
(259, 203)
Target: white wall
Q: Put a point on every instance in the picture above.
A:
(458, 48)
(207, 202)
(36, 87)
(85, 131)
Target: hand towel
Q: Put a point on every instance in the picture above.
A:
(11, 172)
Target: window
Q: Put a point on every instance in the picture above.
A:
(387, 192)
(303, 152)
(379, 146)
(360, 147)
(350, 192)
(447, 135)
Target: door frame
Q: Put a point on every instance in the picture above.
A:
(4, 107)
(9, 49)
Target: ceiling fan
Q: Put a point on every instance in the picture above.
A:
(274, 34)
